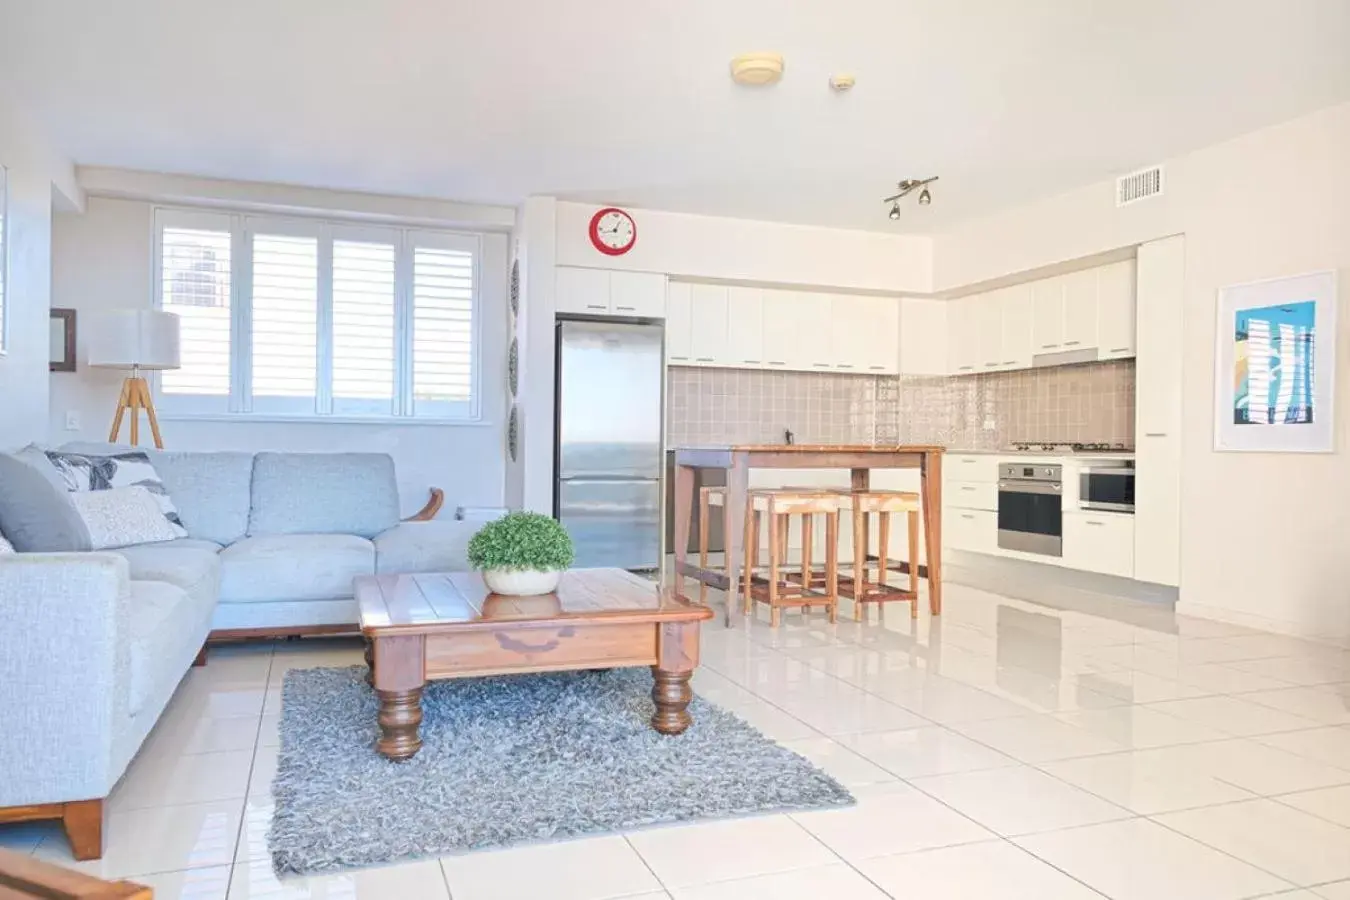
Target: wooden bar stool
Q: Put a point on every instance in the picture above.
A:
(883, 504)
(777, 508)
(707, 497)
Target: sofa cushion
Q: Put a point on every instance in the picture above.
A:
(130, 468)
(35, 514)
(436, 546)
(323, 493)
(167, 627)
(189, 564)
(293, 567)
(211, 491)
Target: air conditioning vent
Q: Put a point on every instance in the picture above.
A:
(1139, 185)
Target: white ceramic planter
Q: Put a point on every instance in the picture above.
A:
(521, 582)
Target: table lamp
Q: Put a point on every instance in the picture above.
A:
(135, 339)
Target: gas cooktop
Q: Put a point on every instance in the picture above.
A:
(1068, 447)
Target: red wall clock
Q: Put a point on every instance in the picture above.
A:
(613, 231)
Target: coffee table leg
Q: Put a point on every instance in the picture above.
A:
(400, 674)
(400, 718)
(671, 693)
(370, 662)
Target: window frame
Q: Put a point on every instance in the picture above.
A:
(240, 404)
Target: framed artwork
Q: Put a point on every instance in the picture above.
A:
(1275, 365)
(61, 341)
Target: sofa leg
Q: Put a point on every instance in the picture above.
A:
(201, 657)
(83, 824)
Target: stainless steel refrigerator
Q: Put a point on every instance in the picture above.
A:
(608, 461)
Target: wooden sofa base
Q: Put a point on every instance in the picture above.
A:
(82, 821)
(229, 635)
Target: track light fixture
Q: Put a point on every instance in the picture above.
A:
(907, 187)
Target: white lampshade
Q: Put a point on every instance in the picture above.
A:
(134, 338)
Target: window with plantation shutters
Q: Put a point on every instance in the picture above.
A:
(307, 318)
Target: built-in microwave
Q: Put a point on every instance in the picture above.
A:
(1107, 485)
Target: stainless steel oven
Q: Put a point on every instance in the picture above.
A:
(1031, 508)
(1107, 484)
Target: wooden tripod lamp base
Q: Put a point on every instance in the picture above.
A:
(135, 397)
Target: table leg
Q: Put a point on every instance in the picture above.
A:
(676, 659)
(400, 674)
(738, 486)
(684, 510)
(861, 480)
(930, 477)
(370, 662)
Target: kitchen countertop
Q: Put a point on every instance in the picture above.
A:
(1045, 454)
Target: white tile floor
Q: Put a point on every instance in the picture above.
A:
(1007, 750)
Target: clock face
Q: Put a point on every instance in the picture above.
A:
(613, 231)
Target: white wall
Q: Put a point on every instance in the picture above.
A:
(37, 176)
(1264, 536)
(538, 221)
(102, 260)
(743, 250)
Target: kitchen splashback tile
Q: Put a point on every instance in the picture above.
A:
(1090, 402)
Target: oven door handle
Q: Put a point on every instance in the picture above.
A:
(1031, 487)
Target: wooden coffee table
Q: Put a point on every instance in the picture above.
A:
(421, 628)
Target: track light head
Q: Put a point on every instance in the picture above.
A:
(925, 198)
(895, 211)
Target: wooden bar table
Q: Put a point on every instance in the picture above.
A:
(738, 459)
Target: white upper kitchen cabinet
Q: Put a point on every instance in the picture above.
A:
(924, 336)
(679, 324)
(1080, 310)
(1015, 309)
(637, 294)
(600, 292)
(708, 315)
(815, 322)
(989, 331)
(963, 337)
(781, 311)
(745, 327)
(1047, 315)
(881, 324)
(1116, 310)
(581, 290)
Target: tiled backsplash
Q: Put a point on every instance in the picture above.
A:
(1091, 402)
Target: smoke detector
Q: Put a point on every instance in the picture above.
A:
(757, 69)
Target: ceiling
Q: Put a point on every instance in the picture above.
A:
(631, 103)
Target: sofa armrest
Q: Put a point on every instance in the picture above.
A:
(63, 665)
(428, 512)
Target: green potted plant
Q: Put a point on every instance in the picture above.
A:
(521, 553)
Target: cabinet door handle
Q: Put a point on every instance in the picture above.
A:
(968, 460)
(843, 365)
(754, 362)
(1072, 343)
(679, 358)
(626, 308)
(777, 362)
(821, 365)
(1010, 362)
(991, 364)
(966, 516)
(1117, 350)
(877, 368)
(964, 368)
(1048, 346)
(967, 488)
(596, 306)
(703, 359)
(1155, 434)
(1090, 522)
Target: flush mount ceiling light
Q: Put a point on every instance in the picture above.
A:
(907, 187)
(757, 69)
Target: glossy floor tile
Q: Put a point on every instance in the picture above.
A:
(1010, 749)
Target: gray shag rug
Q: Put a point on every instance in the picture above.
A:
(509, 760)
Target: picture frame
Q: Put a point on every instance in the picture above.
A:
(1275, 365)
(61, 340)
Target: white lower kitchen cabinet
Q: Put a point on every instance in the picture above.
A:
(975, 530)
(971, 494)
(1099, 542)
(969, 467)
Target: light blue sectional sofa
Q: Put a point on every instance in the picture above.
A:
(94, 644)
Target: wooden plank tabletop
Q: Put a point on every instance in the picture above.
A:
(461, 601)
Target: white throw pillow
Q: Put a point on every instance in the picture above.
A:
(5, 546)
(119, 517)
(83, 472)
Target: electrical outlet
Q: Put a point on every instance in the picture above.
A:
(990, 425)
(72, 420)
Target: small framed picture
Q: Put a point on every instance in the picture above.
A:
(61, 355)
(1275, 365)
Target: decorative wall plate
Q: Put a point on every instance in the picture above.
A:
(512, 433)
(513, 367)
(515, 287)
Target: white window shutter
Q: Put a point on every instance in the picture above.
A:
(363, 327)
(195, 285)
(285, 294)
(443, 331)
